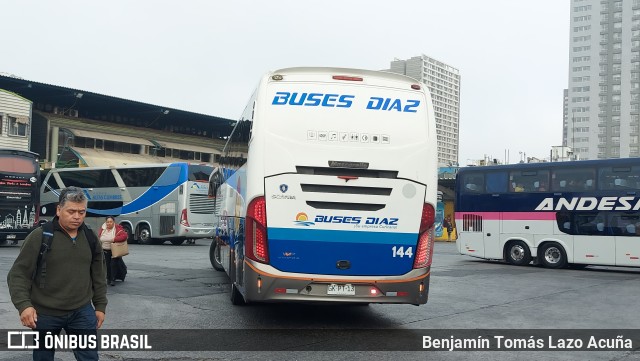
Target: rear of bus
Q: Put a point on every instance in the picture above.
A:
(196, 206)
(341, 188)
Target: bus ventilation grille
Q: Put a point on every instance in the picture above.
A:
(471, 223)
(201, 204)
(364, 173)
(167, 225)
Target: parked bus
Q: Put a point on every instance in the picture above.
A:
(19, 174)
(336, 199)
(154, 203)
(581, 212)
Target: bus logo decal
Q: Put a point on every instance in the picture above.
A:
(284, 188)
(313, 99)
(303, 220)
(590, 203)
(376, 103)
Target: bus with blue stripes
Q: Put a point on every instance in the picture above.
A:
(153, 202)
(555, 214)
(327, 190)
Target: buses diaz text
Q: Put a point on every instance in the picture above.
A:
(356, 220)
(344, 101)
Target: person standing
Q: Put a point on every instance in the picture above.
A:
(449, 226)
(68, 289)
(109, 233)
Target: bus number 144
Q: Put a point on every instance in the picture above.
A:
(401, 252)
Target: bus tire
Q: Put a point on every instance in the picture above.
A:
(517, 253)
(127, 228)
(552, 255)
(177, 242)
(236, 296)
(144, 235)
(214, 256)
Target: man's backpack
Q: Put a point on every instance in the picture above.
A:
(45, 246)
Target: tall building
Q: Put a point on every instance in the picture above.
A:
(565, 116)
(604, 79)
(443, 81)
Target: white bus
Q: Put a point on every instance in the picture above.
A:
(558, 214)
(336, 200)
(154, 203)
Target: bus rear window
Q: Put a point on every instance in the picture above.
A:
(199, 173)
(17, 165)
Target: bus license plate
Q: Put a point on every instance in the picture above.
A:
(347, 289)
(11, 236)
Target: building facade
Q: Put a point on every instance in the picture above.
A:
(443, 82)
(604, 79)
(77, 128)
(15, 121)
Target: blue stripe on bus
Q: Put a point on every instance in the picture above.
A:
(323, 235)
(152, 195)
(319, 251)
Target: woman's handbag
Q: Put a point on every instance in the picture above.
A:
(119, 249)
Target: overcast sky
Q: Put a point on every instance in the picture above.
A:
(207, 56)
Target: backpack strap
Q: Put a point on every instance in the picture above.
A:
(45, 246)
(91, 238)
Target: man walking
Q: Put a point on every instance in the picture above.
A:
(58, 292)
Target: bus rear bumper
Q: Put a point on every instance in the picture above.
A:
(13, 236)
(194, 232)
(262, 286)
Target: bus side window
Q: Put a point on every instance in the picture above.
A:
(563, 219)
(474, 184)
(591, 224)
(497, 182)
(517, 187)
(588, 184)
(621, 183)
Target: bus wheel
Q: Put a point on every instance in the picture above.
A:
(127, 228)
(214, 256)
(177, 242)
(552, 255)
(144, 235)
(517, 253)
(236, 296)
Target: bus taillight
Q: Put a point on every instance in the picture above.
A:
(183, 218)
(426, 237)
(347, 78)
(256, 230)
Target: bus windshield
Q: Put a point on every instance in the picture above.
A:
(15, 164)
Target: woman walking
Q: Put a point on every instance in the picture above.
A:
(110, 232)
